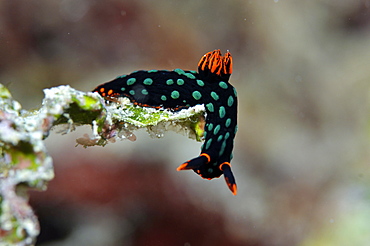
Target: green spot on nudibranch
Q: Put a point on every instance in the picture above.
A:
(148, 81)
(228, 122)
(222, 150)
(223, 85)
(180, 81)
(230, 101)
(210, 107)
(123, 88)
(175, 94)
(121, 76)
(189, 75)
(220, 138)
(132, 92)
(210, 127)
(200, 82)
(235, 93)
(208, 144)
(214, 95)
(153, 71)
(197, 95)
(236, 129)
(210, 170)
(170, 82)
(216, 130)
(222, 112)
(163, 98)
(144, 92)
(131, 81)
(179, 71)
(227, 135)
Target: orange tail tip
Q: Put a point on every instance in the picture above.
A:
(216, 63)
(233, 188)
(182, 166)
(231, 184)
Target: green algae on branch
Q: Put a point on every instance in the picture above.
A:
(117, 118)
(120, 117)
(25, 163)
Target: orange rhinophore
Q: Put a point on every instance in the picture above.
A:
(228, 63)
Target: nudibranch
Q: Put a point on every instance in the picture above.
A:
(179, 89)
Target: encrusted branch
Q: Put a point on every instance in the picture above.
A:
(25, 163)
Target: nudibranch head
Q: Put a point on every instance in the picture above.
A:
(214, 64)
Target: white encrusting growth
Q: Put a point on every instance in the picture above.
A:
(24, 158)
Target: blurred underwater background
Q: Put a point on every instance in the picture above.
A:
(302, 152)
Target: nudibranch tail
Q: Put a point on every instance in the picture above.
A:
(203, 162)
